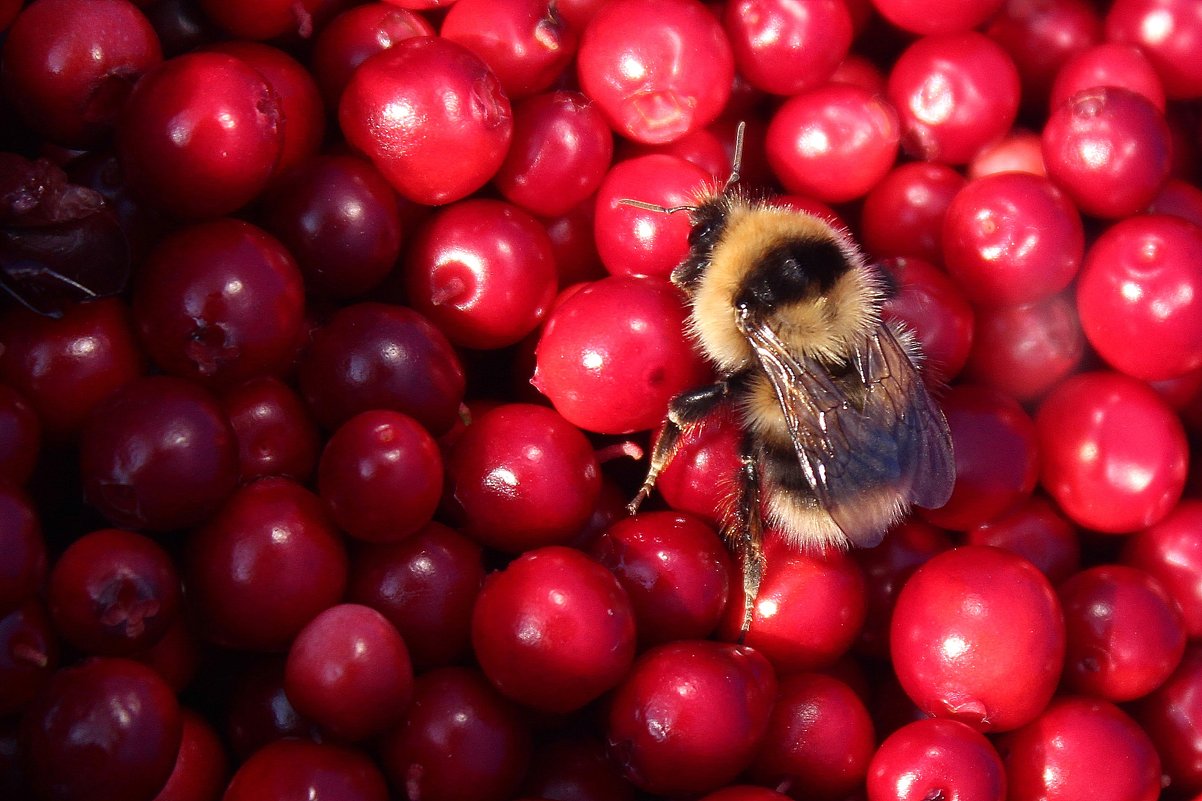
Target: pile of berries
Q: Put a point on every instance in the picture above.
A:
(329, 355)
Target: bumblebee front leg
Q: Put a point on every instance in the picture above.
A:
(748, 535)
(685, 410)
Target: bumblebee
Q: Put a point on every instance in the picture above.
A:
(840, 435)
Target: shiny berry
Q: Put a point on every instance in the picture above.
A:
(276, 434)
(1041, 37)
(302, 769)
(1108, 64)
(785, 47)
(1036, 531)
(201, 767)
(903, 213)
(1171, 553)
(1169, 33)
(936, 758)
(924, 16)
(932, 307)
(1172, 717)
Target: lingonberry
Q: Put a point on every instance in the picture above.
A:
(1169, 33)
(270, 19)
(113, 592)
(704, 147)
(220, 301)
(23, 569)
(158, 454)
(1113, 454)
(276, 434)
(819, 737)
(1178, 198)
(482, 271)
(301, 769)
(271, 548)
(676, 572)
(954, 94)
(348, 670)
(930, 305)
(554, 630)
(461, 739)
(833, 142)
(978, 636)
(1036, 531)
(1108, 64)
(20, 437)
(1057, 755)
(353, 35)
(575, 767)
(526, 43)
(70, 65)
(380, 356)
(107, 729)
(29, 655)
(560, 151)
(936, 758)
(574, 245)
(1172, 717)
(651, 86)
(200, 135)
(925, 16)
(702, 477)
(1018, 151)
(426, 585)
(380, 476)
(454, 130)
(1171, 552)
(903, 213)
(201, 766)
(612, 355)
(1041, 38)
(785, 48)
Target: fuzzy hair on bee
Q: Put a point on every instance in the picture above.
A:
(840, 435)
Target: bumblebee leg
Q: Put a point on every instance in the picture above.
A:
(749, 536)
(685, 410)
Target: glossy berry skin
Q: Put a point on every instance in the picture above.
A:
(201, 767)
(612, 355)
(220, 301)
(426, 585)
(276, 434)
(930, 305)
(689, 715)
(936, 758)
(303, 769)
(354, 35)
(658, 69)
(903, 213)
(1113, 453)
(1171, 553)
(833, 142)
(483, 271)
(1018, 151)
(380, 356)
(1036, 531)
(1142, 22)
(349, 671)
(785, 48)
(819, 737)
(200, 135)
(1108, 64)
(1057, 755)
(70, 66)
(954, 94)
(1042, 38)
(158, 454)
(925, 17)
(809, 611)
(1085, 142)
(1139, 296)
(461, 739)
(1012, 238)
(978, 636)
(553, 630)
(105, 730)
(458, 128)
(380, 476)
(699, 478)
(1125, 634)
(270, 548)
(1171, 715)
(113, 592)
(675, 570)
(267, 20)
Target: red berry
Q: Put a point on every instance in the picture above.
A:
(925, 16)
(936, 758)
(29, 655)
(276, 434)
(903, 212)
(784, 47)
(1036, 531)
(23, 569)
(1108, 64)
(1172, 717)
(1169, 33)
(931, 306)
(201, 767)
(302, 769)
(1171, 552)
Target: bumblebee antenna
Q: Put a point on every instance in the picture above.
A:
(642, 204)
(736, 163)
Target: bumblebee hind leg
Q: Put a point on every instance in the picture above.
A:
(746, 537)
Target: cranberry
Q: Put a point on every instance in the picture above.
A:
(1057, 755)
(704, 148)
(113, 592)
(220, 301)
(455, 127)
(1012, 238)
(572, 241)
(200, 135)
(482, 271)
(460, 740)
(833, 142)
(379, 356)
(23, 569)
(348, 670)
(158, 454)
(1171, 715)
(20, 437)
(1113, 453)
(613, 354)
(925, 16)
(954, 94)
(560, 151)
(272, 549)
(1036, 531)
(426, 585)
(784, 47)
(1108, 64)
(1087, 142)
(978, 636)
(1041, 37)
(690, 715)
(200, 767)
(744, 792)
(300, 769)
(1169, 33)
(1018, 151)
(276, 435)
(525, 42)
(106, 730)
(70, 65)
(268, 19)
(929, 305)
(936, 758)
(702, 477)
(657, 69)
(572, 767)
(64, 367)
(380, 476)
(675, 570)
(356, 33)
(1171, 553)
(553, 630)
(29, 655)
(1179, 199)
(819, 738)
(903, 213)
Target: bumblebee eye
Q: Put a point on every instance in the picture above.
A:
(703, 234)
